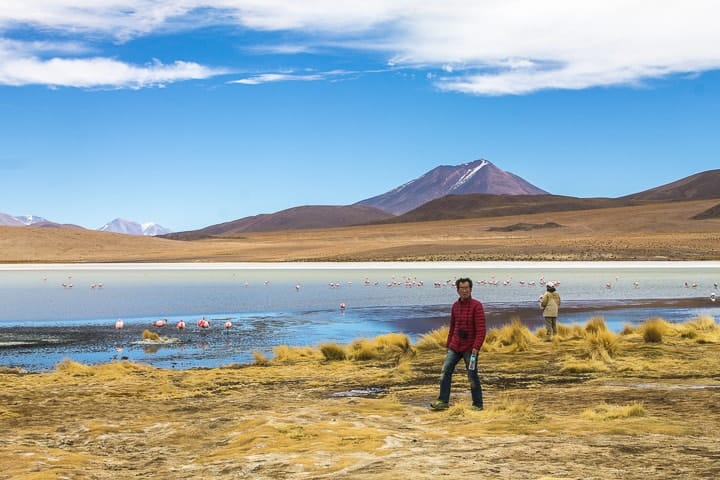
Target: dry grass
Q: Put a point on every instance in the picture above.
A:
(433, 340)
(657, 232)
(150, 335)
(602, 345)
(650, 409)
(514, 337)
(604, 412)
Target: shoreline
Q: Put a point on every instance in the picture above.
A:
(37, 348)
(471, 264)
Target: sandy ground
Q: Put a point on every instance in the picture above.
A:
(650, 232)
(305, 418)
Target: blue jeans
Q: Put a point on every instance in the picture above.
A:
(451, 360)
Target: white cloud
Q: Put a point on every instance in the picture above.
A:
(292, 77)
(483, 47)
(95, 72)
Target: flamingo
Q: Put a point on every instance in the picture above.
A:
(228, 325)
(160, 323)
(119, 324)
(202, 323)
(342, 307)
(181, 325)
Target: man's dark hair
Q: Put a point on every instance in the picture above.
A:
(463, 280)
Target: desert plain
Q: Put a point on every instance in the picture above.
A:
(589, 405)
(656, 231)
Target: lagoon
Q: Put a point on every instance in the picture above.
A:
(52, 312)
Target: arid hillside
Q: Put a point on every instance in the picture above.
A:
(653, 231)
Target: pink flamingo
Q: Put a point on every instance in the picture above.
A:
(181, 325)
(228, 325)
(202, 323)
(160, 323)
(119, 324)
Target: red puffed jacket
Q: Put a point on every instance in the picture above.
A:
(467, 326)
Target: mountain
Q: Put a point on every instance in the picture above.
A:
(297, 218)
(480, 176)
(10, 221)
(455, 207)
(701, 186)
(120, 225)
(31, 221)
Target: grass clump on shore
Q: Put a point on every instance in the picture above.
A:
(433, 340)
(655, 329)
(514, 337)
(604, 411)
(602, 345)
(333, 352)
(595, 325)
(150, 335)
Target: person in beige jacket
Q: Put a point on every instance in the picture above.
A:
(550, 302)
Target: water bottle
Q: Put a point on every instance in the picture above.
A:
(473, 362)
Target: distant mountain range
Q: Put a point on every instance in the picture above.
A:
(479, 176)
(120, 225)
(470, 190)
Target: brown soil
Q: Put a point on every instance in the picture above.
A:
(657, 231)
(308, 419)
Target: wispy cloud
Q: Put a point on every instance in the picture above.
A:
(94, 72)
(296, 77)
(481, 47)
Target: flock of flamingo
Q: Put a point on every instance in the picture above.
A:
(204, 324)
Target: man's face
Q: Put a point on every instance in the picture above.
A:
(464, 290)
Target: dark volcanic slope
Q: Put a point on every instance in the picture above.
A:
(701, 186)
(297, 218)
(482, 205)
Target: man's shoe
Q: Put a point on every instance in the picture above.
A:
(439, 405)
(476, 408)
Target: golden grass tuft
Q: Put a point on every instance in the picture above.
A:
(333, 352)
(628, 330)
(604, 411)
(514, 337)
(393, 343)
(150, 335)
(595, 324)
(75, 369)
(704, 323)
(433, 340)
(260, 359)
(654, 329)
(287, 354)
(574, 365)
(602, 345)
(363, 349)
(569, 331)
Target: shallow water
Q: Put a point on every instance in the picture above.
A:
(69, 311)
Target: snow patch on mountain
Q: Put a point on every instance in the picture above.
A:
(129, 227)
(468, 175)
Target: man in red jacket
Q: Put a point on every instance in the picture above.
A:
(466, 336)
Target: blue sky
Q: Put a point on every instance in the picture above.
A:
(193, 113)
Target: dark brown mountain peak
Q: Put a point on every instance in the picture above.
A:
(701, 186)
(296, 218)
(480, 176)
